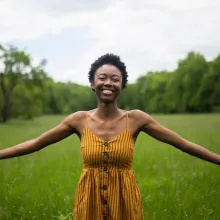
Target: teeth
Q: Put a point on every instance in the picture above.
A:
(106, 91)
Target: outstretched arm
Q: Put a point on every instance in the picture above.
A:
(54, 135)
(157, 131)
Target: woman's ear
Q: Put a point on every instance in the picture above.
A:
(92, 86)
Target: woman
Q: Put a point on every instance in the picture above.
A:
(107, 188)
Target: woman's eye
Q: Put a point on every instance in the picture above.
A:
(101, 78)
(115, 79)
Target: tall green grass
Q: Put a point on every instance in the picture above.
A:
(174, 185)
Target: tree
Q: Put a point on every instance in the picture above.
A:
(16, 69)
(208, 96)
(187, 80)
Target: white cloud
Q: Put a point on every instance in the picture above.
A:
(148, 35)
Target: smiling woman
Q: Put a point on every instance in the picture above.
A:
(107, 83)
(108, 188)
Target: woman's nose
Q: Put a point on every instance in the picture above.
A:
(108, 82)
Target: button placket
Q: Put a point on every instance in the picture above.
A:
(105, 179)
(105, 161)
(105, 202)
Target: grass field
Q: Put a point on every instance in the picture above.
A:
(174, 185)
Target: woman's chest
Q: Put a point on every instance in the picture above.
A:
(116, 152)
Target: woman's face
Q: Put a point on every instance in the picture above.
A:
(107, 83)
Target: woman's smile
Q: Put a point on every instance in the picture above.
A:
(107, 92)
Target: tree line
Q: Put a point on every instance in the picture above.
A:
(27, 91)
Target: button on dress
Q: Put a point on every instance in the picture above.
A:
(107, 189)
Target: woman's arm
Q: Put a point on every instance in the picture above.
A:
(58, 133)
(157, 131)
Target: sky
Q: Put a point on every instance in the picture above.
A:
(147, 35)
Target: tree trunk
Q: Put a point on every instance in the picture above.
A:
(5, 109)
(6, 100)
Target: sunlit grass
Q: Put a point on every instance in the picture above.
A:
(173, 185)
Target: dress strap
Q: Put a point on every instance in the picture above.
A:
(87, 119)
(126, 119)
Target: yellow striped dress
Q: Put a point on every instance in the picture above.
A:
(107, 189)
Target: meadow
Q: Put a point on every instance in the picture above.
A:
(173, 185)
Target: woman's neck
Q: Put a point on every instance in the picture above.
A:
(109, 111)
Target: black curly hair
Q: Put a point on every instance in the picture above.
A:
(112, 59)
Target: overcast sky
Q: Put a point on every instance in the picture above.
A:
(148, 35)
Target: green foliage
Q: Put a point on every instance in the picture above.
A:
(27, 91)
(194, 86)
(19, 83)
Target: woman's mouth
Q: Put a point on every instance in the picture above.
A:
(107, 92)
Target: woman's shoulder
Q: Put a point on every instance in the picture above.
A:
(136, 113)
(77, 119)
